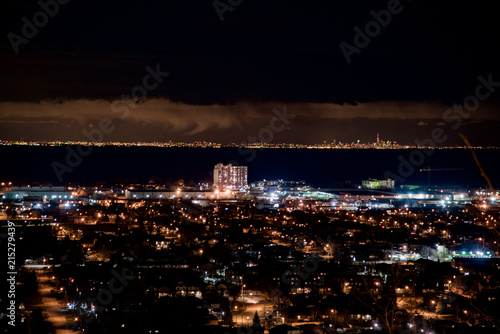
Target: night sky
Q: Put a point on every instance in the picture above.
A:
(225, 77)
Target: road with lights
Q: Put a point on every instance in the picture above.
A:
(51, 306)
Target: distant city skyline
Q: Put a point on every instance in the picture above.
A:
(378, 144)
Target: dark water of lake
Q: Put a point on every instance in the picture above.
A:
(320, 167)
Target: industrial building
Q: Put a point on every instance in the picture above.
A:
(44, 192)
(163, 194)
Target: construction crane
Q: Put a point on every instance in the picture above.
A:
(429, 170)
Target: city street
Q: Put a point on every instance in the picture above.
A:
(50, 305)
(245, 318)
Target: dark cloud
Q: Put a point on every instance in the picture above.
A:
(285, 51)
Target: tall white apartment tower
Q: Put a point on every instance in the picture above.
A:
(229, 176)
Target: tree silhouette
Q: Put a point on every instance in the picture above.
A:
(385, 302)
(227, 319)
(256, 320)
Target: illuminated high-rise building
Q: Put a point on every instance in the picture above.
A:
(229, 176)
